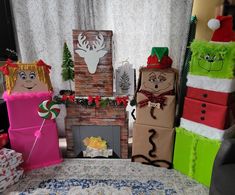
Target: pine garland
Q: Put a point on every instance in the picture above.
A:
(97, 101)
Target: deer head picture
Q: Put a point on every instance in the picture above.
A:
(91, 52)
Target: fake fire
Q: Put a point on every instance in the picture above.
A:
(96, 146)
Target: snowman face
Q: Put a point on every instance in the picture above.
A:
(28, 81)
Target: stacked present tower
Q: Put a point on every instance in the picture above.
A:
(28, 85)
(209, 106)
(153, 132)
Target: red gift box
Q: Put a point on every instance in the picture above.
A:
(211, 96)
(213, 115)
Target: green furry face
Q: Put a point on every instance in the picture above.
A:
(213, 59)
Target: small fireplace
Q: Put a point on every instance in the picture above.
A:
(111, 134)
(110, 123)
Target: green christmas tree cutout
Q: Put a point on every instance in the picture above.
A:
(67, 66)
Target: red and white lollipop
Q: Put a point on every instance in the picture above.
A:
(49, 110)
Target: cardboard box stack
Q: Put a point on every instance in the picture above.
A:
(153, 133)
(10, 170)
(209, 108)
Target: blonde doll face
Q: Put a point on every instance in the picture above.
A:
(28, 81)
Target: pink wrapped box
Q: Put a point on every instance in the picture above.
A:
(9, 159)
(46, 151)
(22, 108)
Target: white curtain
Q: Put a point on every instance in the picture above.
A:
(42, 26)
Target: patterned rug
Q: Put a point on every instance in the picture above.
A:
(105, 177)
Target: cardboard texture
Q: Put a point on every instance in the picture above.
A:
(214, 97)
(194, 155)
(163, 141)
(46, 151)
(213, 59)
(213, 115)
(99, 82)
(164, 117)
(157, 81)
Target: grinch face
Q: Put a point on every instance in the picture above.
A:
(211, 61)
(28, 81)
(157, 82)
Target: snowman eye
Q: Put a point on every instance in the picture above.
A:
(32, 75)
(22, 75)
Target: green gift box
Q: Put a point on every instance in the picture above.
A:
(214, 60)
(194, 155)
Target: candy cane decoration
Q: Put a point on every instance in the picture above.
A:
(48, 110)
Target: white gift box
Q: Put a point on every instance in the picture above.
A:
(9, 158)
(8, 180)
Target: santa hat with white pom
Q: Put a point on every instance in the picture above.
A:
(223, 29)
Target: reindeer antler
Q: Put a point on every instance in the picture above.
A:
(99, 44)
(82, 44)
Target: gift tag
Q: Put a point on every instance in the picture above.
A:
(155, 105)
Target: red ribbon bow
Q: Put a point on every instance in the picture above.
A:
(70, 98)
(45, 66)
(122, 100)
(92, 99)
(97, 101)
(152, 98)
(5, 69)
